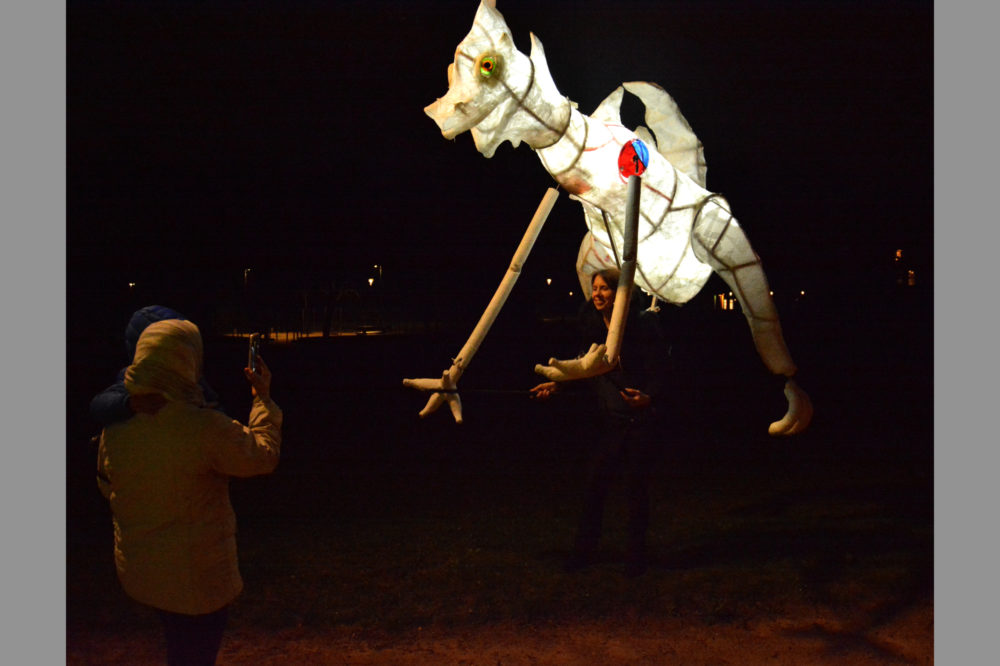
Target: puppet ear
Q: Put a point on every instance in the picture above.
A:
(542, 74)
(488, 15)
(490, 23)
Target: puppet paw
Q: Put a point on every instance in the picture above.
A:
(590, 364)
(799, 415)
(445, 390)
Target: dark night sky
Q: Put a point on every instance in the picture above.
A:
(205, 137)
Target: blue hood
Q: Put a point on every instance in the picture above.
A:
(143, 318)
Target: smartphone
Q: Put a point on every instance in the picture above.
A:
(254, 351)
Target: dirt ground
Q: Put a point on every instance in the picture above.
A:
(810, 637)
(811, 552)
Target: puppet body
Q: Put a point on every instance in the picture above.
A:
(685, 232)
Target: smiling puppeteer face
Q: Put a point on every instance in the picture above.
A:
(602, 295)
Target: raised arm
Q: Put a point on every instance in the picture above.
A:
(248, 450)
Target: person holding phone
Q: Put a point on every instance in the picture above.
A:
(166, 475)
(253, 352)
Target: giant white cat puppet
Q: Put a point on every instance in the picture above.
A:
(684, 230)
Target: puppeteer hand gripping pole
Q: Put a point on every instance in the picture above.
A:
(446, 388)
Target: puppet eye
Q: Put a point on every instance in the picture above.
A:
(488, 66)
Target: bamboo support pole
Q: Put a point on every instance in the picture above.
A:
(447, 385)
(616, 329)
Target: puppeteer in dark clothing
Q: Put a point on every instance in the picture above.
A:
(628, 400)
(627, 440)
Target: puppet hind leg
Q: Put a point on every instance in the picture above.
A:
(719, 242)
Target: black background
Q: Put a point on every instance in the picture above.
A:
(209, 137)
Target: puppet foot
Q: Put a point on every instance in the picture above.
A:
(800, 412)
(445, 390)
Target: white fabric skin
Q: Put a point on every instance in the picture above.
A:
(685, 231)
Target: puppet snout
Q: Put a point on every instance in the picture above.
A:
(443, 114)
(452, 118)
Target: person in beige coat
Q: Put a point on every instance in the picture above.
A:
(166, 476)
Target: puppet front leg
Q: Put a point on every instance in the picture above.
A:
(721, 243)
(446, 388)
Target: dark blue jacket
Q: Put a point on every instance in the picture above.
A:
(643, 364)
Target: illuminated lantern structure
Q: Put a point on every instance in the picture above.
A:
(684, 231)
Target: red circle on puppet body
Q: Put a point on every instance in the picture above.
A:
(633, 158)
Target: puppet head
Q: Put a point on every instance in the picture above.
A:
(491, 83)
